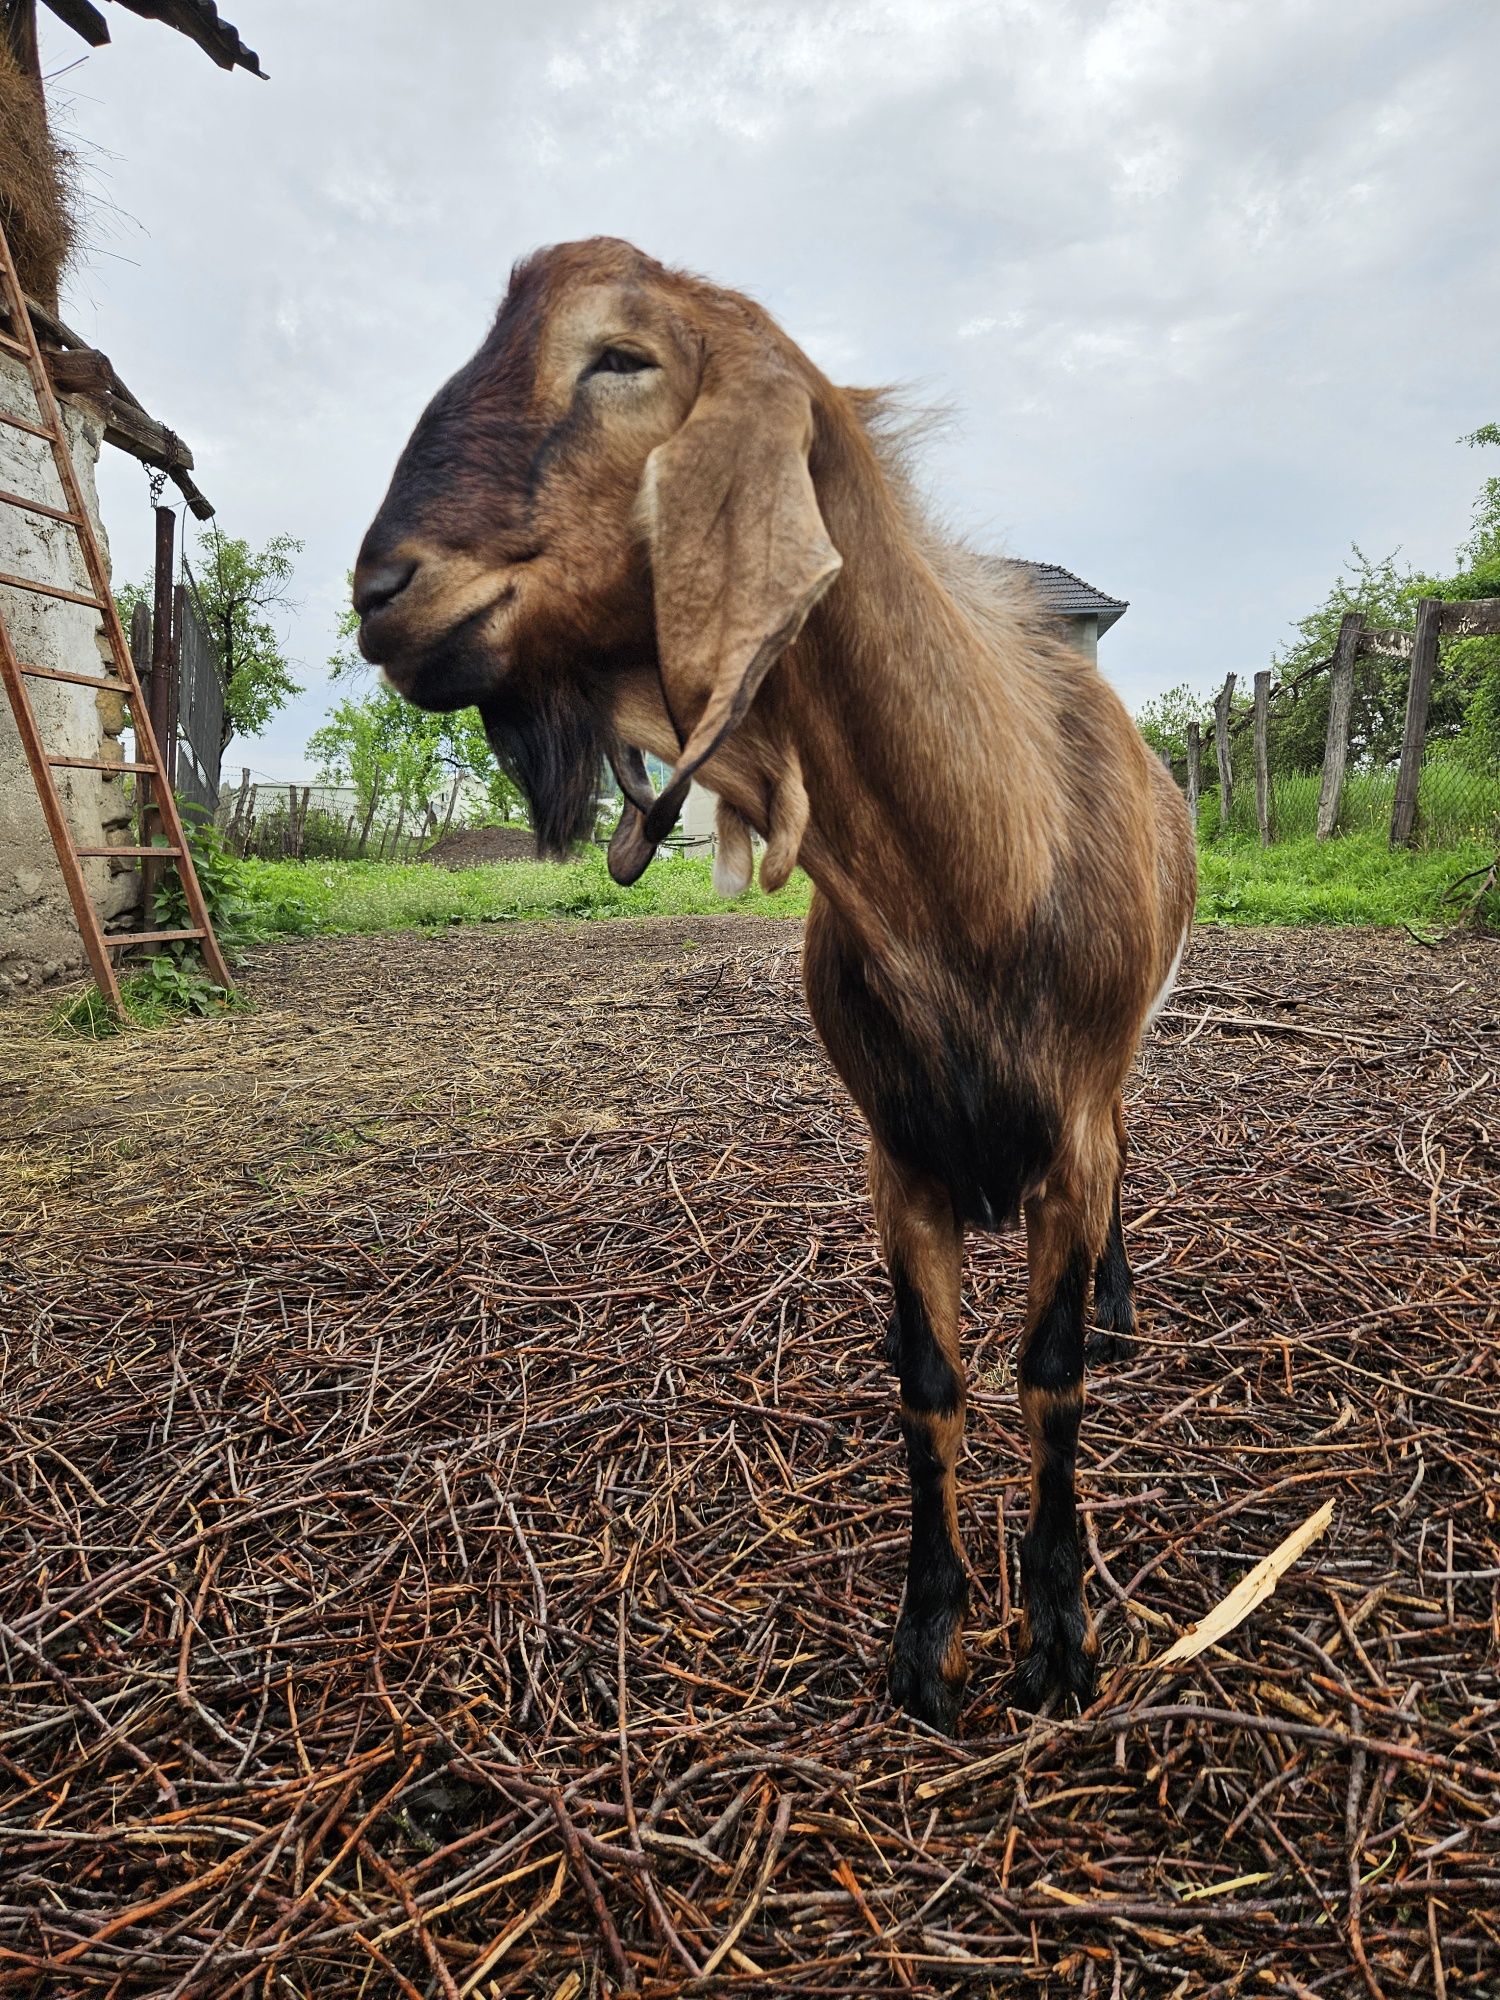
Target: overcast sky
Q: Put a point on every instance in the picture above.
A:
(1210, 289)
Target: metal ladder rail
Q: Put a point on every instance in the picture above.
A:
(15, 672)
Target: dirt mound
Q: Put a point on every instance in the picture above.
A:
(476, 846)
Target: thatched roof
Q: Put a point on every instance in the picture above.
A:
(197, 19)
(37, 208)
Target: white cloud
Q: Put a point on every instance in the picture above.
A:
(1210, 285)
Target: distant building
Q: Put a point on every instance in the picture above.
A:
(1087, 613)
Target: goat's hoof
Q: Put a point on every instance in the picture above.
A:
(1060, 1669)
(1114, 1326)
(917, 1680)
(1103, 1346)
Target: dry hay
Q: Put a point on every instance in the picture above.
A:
(38, 185)
(471, 1574)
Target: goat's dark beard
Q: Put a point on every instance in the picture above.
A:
(550, 738)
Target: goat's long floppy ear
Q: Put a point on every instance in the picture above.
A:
(739, 553)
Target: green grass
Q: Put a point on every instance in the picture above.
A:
(1457, 804)
(381, 896)
(1355, 879)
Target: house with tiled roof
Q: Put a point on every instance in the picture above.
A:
(1086, 612)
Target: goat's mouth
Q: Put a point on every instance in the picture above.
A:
(461, 671)
(457, 666)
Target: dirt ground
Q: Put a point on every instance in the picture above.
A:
(454, 1508)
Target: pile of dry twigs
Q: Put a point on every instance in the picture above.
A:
(476, 1580)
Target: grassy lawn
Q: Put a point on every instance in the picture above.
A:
(1355, 879)
(1352, 880)
(383, 896)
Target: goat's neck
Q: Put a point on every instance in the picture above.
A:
(913, 732)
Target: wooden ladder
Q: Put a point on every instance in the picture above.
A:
(123, 681)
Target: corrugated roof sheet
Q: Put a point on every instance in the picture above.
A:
(1066, 594)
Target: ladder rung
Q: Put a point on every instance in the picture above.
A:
(50, 589)
(25, 424)
(80, 680)
(8, 499)
(14, 346)
(98, 764)
(109, 853)
(126, 939)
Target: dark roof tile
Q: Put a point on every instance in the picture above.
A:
(1066, 594)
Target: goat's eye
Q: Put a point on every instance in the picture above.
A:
(617, 361)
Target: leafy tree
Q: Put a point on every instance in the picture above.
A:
(239, 588)
(1475, 663)
(1385, 592)
(1164, 719)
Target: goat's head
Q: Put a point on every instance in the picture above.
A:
(617, 479)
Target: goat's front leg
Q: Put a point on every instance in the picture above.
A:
(1114, 1287)
(1059, 1643)
(923, 1245)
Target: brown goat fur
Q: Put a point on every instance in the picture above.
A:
(641, 519)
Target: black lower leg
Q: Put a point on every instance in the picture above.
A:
(1114, 1294)
(927, 1667)
(1059, 1649)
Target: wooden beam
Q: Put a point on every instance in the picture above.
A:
(1340, 709)
(1472, 618)
(78, 369)
(18, 23)
(1384, 643)
(199, 21)
(82, 18)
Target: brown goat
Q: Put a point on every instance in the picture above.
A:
(607, 529)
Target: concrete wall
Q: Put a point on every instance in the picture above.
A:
(1084, 634)
(38, 933)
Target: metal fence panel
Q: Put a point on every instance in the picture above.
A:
(200, 716)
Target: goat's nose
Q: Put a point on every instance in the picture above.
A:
(381, 584)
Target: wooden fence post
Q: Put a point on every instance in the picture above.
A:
(1221, 751)
(298, 816)
(452, 802)
(1194, 769)
(364, 832)
(1263, 754)
(231, 832)
(1340, 711)
(1418, 693)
